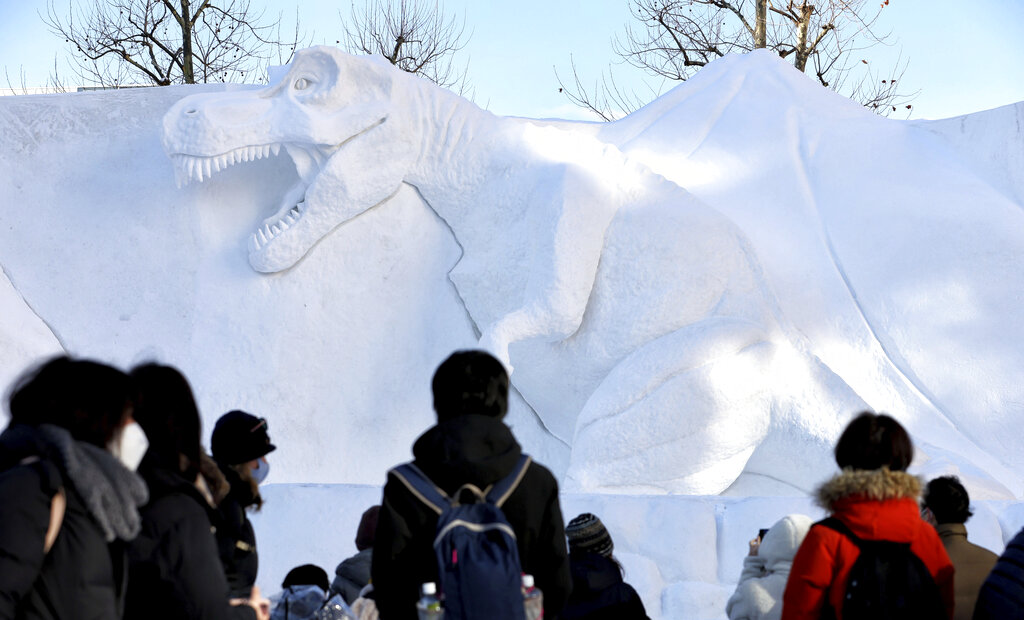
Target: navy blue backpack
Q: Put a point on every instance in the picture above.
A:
(477, 558)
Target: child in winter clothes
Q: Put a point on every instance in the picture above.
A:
(598, 591)
(758, 595)
(305, 591)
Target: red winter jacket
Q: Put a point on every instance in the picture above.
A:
(875, 505)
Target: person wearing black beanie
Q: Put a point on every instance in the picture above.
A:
(598, 591)
(240, 444)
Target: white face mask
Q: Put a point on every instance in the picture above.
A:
(129, 445)
(259, 473)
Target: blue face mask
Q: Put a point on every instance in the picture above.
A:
(259, 473)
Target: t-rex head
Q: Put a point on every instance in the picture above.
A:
(324, 99)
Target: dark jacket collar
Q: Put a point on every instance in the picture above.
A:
(18, 442)
(951, 530)
(477, 449)
(592, 573)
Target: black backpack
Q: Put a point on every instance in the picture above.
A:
(887, 582)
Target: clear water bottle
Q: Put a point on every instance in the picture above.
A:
(429, 606)
(533, 599)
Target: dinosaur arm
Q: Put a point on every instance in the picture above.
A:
(569, 239)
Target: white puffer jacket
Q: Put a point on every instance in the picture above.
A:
(758, 595)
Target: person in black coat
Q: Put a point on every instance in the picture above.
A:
(174, 568)
(469, 444)
(68, 504)
(598, 591)
(240, 444)
(1002, 594)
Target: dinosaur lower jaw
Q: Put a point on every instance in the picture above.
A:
(274, 226)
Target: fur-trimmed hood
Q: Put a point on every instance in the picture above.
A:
(870, 484)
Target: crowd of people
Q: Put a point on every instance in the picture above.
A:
(111, 508)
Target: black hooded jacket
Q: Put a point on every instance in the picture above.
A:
(598, 592)
(468, 449)
(82, 576)
(174, 570)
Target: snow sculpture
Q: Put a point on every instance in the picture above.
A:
(635, 315)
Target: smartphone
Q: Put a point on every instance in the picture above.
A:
(761, 533)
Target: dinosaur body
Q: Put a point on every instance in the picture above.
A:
(626, 306)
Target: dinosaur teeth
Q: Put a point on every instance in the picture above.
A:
(207, 167)
(275, 148)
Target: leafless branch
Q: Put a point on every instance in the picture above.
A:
(673, 39)
(413, 35)
(118, 42)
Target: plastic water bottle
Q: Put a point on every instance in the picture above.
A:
(429, 605)
(533, 599)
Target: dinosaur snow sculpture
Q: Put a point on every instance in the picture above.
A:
(634, 314)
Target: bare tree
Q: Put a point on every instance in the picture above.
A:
(413, 35)
(161, 42)
(675, 38)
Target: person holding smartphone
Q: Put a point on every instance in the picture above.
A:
(758, 594)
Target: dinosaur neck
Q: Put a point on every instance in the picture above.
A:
(447, 129)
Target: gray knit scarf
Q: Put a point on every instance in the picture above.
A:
(112, 492)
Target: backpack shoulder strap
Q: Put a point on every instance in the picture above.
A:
(57, 507)
(58, 503)
(502, 489)
(421, 487)
(835, 524)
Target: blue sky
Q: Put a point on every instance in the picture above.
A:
(964, 56)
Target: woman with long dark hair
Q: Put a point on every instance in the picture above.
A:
(174, 568)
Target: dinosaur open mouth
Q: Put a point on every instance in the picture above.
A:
(307, 161)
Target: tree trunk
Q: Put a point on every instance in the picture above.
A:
(761, 24)
(802, 50)
(187, 70)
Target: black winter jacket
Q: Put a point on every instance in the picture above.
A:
(598, 592)
(174, 571)
(473, 449)
(82, 577)
(1002, 594)
(236, 541)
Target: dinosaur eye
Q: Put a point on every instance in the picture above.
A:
(302, 84)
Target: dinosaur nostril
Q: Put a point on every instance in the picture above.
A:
(191, 111)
